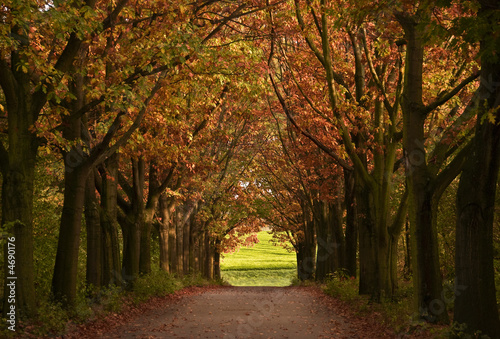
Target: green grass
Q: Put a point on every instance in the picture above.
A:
(264, 264)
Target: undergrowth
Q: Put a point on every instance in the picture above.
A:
(396, 312)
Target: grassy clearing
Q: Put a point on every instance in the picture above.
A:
(264, 264)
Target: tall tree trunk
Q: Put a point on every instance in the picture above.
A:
(337, 241)
(208, 257)
(77, 168)
(323, 237)
(427, 279)
(185, 247)
(216, 252)
(64, 280)
(179, 237)
(172, 243)
(351, 224)
(194, 269)
(17, 217)
(475, 303)
(133, 225)
(149, 213)
(111, 265)
(165, 216)
(368, 270)
(145, 246)
(94, 234)
(201, 252)
(18, 170)
(394, 234)
(307, 246)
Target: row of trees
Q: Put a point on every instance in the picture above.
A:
(397, 89)
(198, 122)
(139, 100)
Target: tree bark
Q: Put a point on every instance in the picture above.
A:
(132, 226)
(172, 244)
(186, 247)
(324, 251)
(351, 222)
(64, 280)
(94, 234)
(111, 265)
(369, 275)
(179, 238)
(165, 216)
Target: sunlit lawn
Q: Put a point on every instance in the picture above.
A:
(264, 264)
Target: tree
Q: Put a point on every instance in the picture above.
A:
(475, 303)
(427, 175)
(27, 82)
(366, 97)
(145, 47)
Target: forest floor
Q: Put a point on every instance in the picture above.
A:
(238, 312)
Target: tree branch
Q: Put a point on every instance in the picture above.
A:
(450, 172)
(443, 98)
(326, 149)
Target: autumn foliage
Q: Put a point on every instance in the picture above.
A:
(164, 133)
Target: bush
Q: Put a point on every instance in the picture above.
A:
(155, 284)
(51, 319)
(459, 331)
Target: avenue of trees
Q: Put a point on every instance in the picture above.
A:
(142, 135)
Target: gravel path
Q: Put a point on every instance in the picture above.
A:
(240, 312)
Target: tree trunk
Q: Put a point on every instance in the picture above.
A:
(94, 234)
(172, 244)
(201, 252)
(179, 237)
(18, 170)
(111, 266)
(351, 224)
(64, 280)
(17, 217)
(337, 241)
(145, 247)
(185, 247)
(209, 257)
(475, 303)
(368, 270)
(194, 269)
(427, 279)
(216, 252)
(324, 251)
(163, 233)
(133, 225)
(149, 213)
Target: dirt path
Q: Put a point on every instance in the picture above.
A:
(240, 312)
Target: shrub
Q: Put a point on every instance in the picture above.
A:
(158, 283)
